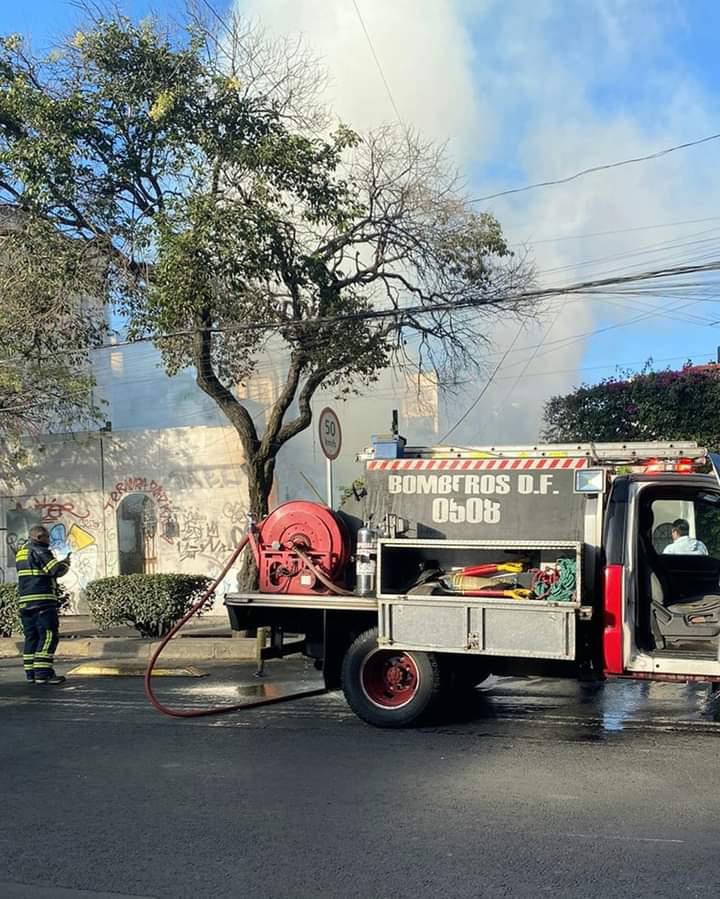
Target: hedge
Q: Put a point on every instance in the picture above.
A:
(151, 603)
(9, 615)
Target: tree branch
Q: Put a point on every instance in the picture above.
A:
(208, 381)
(280, 407)
(304, 418)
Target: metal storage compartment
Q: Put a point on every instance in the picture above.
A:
(538, 629)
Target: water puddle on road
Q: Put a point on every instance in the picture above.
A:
(597, 711)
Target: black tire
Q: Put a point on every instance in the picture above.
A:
(386, 687)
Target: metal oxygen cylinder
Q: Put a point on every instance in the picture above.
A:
(365, 560)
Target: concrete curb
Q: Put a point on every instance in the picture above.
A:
(182, 649)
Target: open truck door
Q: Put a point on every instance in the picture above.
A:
(673, 580)
(715, 464)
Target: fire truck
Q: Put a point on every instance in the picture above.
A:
(452, 563)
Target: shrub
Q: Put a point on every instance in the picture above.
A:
(151, 603)
(9, 614)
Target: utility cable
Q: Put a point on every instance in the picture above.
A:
(377, 63)
(589, 288)
(597, 168)
(531, 358)
(486, 386)
(612, 233)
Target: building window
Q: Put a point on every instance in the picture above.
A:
(137, 532)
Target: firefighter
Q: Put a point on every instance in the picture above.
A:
(37, 571)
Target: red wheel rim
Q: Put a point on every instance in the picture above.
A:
(389, 679)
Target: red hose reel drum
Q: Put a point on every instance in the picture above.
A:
(314, 529)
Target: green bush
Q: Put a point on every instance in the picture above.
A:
(151, 603)
(9, 614)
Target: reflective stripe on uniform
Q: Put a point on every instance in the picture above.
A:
(36, 597)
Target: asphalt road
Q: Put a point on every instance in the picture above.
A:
(542, 788)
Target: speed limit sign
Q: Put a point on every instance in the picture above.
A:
(330, 433)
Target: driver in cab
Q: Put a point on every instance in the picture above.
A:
(683, 544)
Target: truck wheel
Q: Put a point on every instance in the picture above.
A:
(388, 687)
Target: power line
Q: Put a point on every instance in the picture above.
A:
(532, 357)
(564, 341)
(485, 388)
(377, 63)
(612, 232)
(613, 365)
(687, 242)
(597, 168)
(593, 287)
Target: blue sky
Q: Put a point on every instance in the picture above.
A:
(530, 91)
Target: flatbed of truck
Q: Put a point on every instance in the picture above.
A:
(301, 601)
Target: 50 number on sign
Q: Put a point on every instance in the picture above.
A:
(330, 434)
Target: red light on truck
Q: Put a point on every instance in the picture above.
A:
(685, 466)
(682, 466)
(653, 466)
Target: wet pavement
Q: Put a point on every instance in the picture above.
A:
(535, 787)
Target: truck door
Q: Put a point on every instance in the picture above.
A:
(672, 581)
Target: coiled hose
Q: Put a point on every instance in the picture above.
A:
(213, 710)
(556, 584)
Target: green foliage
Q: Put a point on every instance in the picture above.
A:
(664, 405)
(9, 613)
(151, 603)
(350, 490)
(48, 326)
(226, 218)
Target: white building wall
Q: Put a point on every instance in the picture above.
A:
(76, 485)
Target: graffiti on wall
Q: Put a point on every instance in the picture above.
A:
(236, 513)
(201, 536)
(206, 478)
(165, 511)
(66, 536)
(82, 544)
(52, 510)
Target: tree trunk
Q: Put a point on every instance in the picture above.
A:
(259, 487)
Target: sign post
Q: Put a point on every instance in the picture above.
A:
(330, 442)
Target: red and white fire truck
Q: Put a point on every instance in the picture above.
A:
(452, 563)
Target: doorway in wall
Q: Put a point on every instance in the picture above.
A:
(137, 534)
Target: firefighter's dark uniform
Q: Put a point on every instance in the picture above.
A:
(37, 571)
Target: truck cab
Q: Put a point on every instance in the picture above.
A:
(662, 574)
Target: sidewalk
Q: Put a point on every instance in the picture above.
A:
(200, 640)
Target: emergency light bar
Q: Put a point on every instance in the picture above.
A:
(681, 466)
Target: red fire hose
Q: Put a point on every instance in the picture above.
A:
(214, 710)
